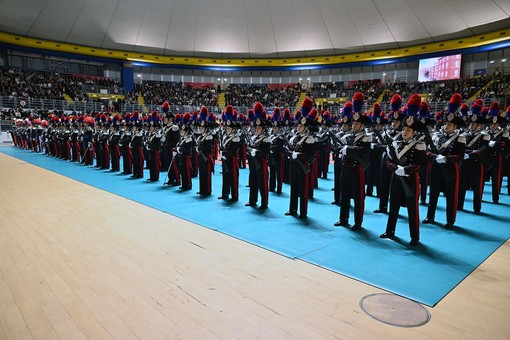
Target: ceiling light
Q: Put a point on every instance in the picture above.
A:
(491, 62)
(503, 60)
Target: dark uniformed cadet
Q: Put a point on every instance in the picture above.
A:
(125, 151)
(446, 150)
(497, 150)
(302, 150)
(354, 161)
(153, 145)
(336, 138)
(113, 143)
(385, 137)
(205, 148)
(258, 153)
(184, 152)
(472, 167)
(276, 155)
(136, 147)
(229, 146)
(406, 155)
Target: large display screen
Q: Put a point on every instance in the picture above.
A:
(441, 68)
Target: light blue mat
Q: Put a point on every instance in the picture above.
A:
(425, 273)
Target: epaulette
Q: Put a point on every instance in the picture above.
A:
(421, 146)
(208, 137)
(310, 140)
(367, 138)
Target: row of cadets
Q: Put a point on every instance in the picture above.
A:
(498, 151)
(354, 155)
(446, 150)
(153, 147)
(406, 156)
(229, 147)
(276, 152)
(113, 143)
(301, 151)
(258, 149)
(136, 147)
(205, 146)
(169, 140)
(125, 150)
(472, 167)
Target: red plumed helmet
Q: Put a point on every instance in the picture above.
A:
(396, 102)
(456, 98)
(313, 114)
(357, 101)
(377, 109)
(308, 102)
(204, 111)
(165, 107)
(454, 103)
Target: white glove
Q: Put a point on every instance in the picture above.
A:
(492, 143)
(253, 152)
(441, 159)
(400, 171)
(294, 155)
(343, 151)
(174, 153)
(224, 158)
(466, 156)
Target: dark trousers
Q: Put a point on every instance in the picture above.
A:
(276, 170)
(444, 178)
(337, 187)
(138, 161)
(471, 177)
(127, 160)
(115, 157)
(353, 186)
(409, 194)
(154, 164)
(186, 170)
(259, 181)
(230, 177)
(299, 187)
(205, 170)
(384, 186)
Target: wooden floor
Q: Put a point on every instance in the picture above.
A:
(77, 262)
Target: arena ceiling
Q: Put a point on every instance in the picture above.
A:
(252, 28)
